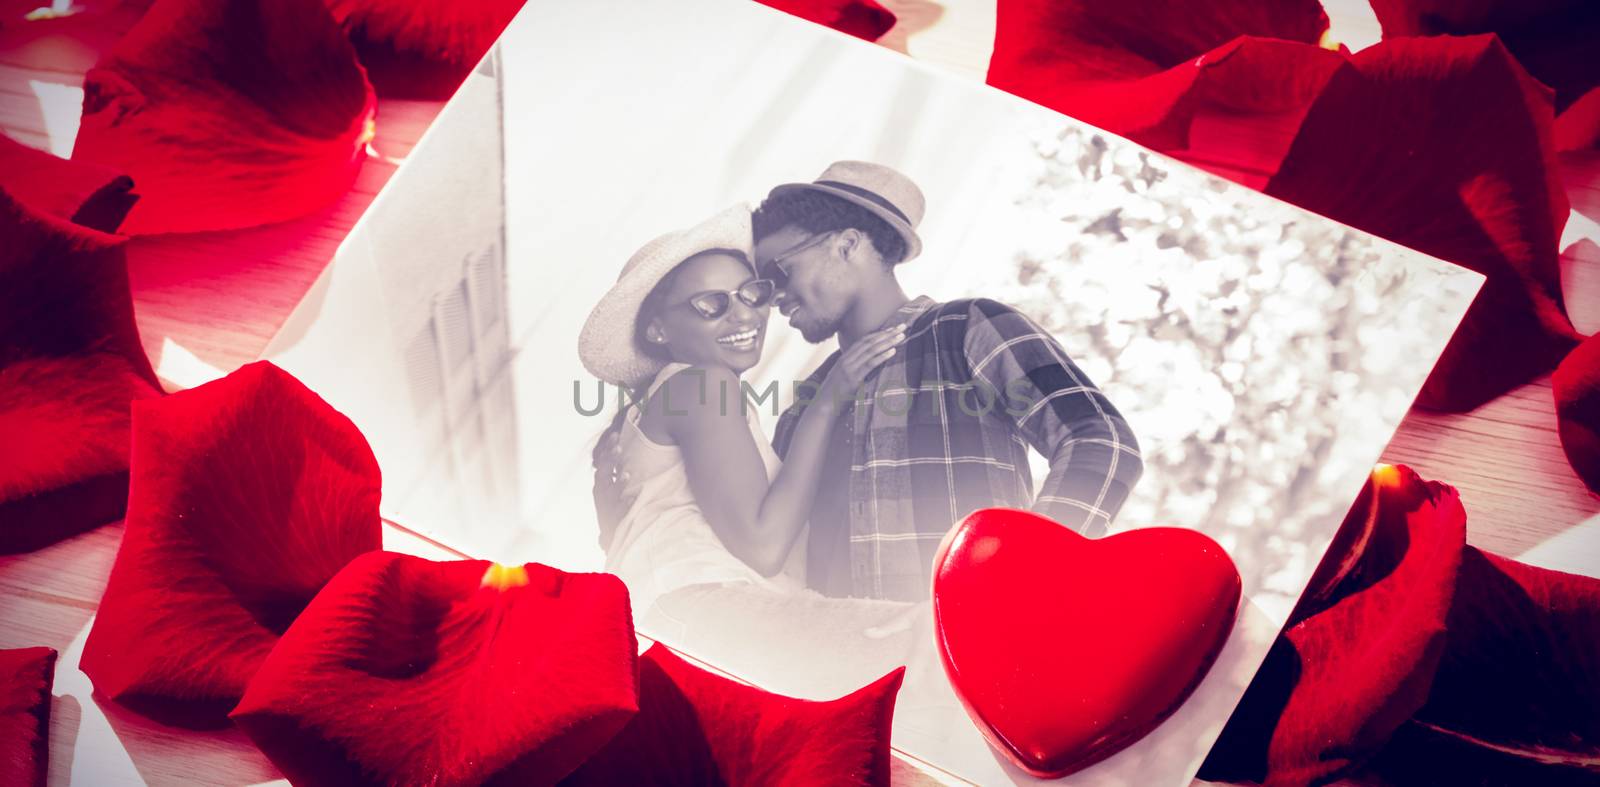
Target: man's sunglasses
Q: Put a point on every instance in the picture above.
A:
(712, 304)
(776, 270)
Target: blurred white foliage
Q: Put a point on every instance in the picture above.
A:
(1254, 349)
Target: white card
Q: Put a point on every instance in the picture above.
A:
(1262, 355)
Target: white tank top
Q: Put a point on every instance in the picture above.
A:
(664, 542)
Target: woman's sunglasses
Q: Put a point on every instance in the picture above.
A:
(755, 293)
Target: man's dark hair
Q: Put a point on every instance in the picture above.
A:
(816, 213)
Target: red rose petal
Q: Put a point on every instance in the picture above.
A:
(422, 49)
(82, 193)
(70, 363)
(1357, 657)
(247, 495)
(1144, 69)
(66, 44)
(26, 676)
(1554, 39)
(864, 19)
(1444, 145)
(1579, 126)
(445, 30)
(410, 671)
(696, 728)
(228, 114)
(1576, 384)
(1082, 40)
(1514, 698)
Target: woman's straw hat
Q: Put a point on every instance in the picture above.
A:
(606, 345)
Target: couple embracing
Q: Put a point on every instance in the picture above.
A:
(925, 412)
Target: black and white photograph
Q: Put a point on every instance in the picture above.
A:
(755, 313)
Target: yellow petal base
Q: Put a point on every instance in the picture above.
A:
(502, 577)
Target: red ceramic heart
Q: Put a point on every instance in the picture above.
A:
(1066, 649)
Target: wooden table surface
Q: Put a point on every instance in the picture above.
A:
(207, 303)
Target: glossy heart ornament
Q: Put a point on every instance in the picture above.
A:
(1066, 649)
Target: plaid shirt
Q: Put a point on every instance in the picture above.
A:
(943, 429)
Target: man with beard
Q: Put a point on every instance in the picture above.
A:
(944, 426)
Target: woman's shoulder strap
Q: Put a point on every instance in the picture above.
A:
(664, 375)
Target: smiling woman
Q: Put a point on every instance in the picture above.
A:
(663, 317)
(709, 309)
